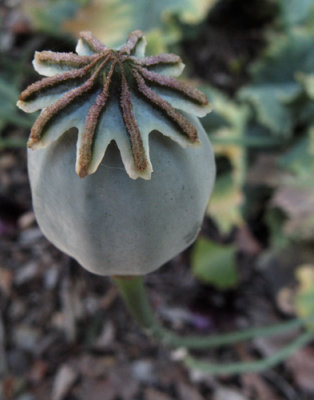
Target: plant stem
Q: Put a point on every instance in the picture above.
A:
(251, 366)
(12, 143)
(246, 141)
(135, 297)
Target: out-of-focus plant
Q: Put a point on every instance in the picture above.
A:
(227, 127)
(112, 20)
(280, 94)
(267, 127)
(215, 264)
(114, 100)
(304, 299)
(49, 15)
(12, 73)
(265, 134)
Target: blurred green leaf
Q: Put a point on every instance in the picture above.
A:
(295, 194)
(225, 203)
(8, 110)
(112, 20)
(227, 127)
(274, 85)
(295, 12)
(304, 299)
(275, 220)
(215, 264)
(231, 122)
(299, 159)
(308, 82)
(267, 101)
(48, 15)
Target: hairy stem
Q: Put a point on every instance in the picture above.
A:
(135, 297)
(250, 366)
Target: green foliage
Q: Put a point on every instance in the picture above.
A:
(13, 71)
(299, 160)
(295, 196)
(215, 264)
(280, 94)
(227, 125)
(49, 15)
(295, 12)
(307, 82)
(304, 299)
(274, 84)
(112, 20)
(8, 111)
(273, 112)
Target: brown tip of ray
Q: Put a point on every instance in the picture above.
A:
(93, 42)
(69, 59)
(31, 143)
(185, 126)
(171, 83)
(132, 41)
(138, 150)
(84, 160)
(92, 119)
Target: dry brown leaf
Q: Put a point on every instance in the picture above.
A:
(152, 394)
(255, 387)
(187, 392)
(91, 389)
(6, 279)
(3, 361)
(63, 382)
(270, 345)
(298, 203)
(265, 171)
(125, 385)
(246, 242)
(301, 364)
(105, 338)
(95, 367)
(38, 371)
(26, 220)
(222, 393)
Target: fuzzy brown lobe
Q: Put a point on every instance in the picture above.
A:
(69, 59)
(102, 68)
(85, 150)
(92, 42)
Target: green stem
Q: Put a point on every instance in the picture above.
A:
(246, 141)
(251, 366)
(135, 297)
(12, 143)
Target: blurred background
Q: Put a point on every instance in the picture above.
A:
(64, 333)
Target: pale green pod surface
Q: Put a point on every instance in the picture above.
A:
(120, 167)
(114, 225)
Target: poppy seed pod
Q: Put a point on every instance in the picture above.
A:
(144, 167)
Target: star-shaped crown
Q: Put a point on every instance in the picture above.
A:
(118, 95)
